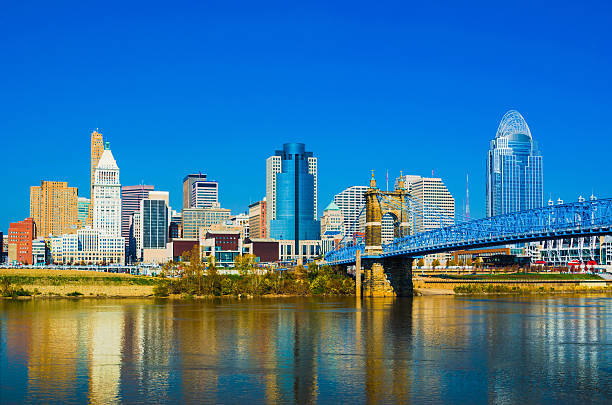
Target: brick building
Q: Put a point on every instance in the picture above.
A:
(21, 234)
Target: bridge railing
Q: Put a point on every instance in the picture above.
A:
(587, 215)
(344, 254)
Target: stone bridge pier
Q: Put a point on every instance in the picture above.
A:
(387, 277)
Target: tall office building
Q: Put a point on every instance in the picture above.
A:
(273, 167)
(351, 202)
(54, 208)
(83, 210)
(97, 148)
(514, 168)
(294, 194)
(258, 226)
(155, 214)
(199, 192)
(107, 195)
(130, 203)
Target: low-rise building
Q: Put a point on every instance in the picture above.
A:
(266, 250)
(39, 251)
(225, 246)
(88, 246)
(309, 249)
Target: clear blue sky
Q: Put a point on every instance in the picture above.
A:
(216, 87)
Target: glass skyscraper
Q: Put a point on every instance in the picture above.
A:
(514, 168)
(295, 195)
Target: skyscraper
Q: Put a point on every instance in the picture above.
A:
(199, 192)
(97, 148)
(154, 224)
(274, 166)
(107, 195)
(294, 194)
(514, 168)
(130, 203)
(54, 208)
(351, 202)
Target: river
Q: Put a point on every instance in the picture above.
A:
(451, 350)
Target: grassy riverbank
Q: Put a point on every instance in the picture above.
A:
(521, 276)
(73, 283)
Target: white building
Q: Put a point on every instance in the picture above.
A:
(273, 166)
(242, 221)
(310, 249)
(107, 195)
(332, 219)
(88, 246)
(436, 207)
(205, 194)
(351, 202)
(39, 251)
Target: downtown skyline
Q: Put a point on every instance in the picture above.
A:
(416, 89)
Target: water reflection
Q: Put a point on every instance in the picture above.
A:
(434, 349)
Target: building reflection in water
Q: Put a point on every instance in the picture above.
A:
(426, 349)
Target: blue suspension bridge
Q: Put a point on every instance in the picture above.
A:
(579, 219)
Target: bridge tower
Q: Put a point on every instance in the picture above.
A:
(385, 276)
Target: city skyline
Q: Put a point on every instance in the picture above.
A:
(413, 102)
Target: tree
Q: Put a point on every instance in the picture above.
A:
(246, 266)
(196, 268)
(460, 263)
(435, 263)
(421, 263)
(469, 262)
(478, 262)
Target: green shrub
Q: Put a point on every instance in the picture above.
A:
(74, 294)
(161, 290)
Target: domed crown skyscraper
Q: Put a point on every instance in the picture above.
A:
(514, 168)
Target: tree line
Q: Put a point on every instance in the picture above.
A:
(195, 277)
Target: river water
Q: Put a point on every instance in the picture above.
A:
(501, 350)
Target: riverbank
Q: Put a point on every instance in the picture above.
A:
(73, 283)
(47, 283)
(512, 283)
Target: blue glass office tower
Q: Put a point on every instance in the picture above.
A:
(514, 168)
(295, 196)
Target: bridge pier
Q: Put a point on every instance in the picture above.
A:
(388, 277)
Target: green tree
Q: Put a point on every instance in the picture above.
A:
(478, 262)
(469, 262)
(435, 263)
(213, 277)
(421, 263)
